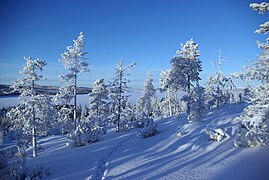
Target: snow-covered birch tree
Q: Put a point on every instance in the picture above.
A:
(186, 67)
(254, 130)
(25, 114)
(118, 88)
(74, 61)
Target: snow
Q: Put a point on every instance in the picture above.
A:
(122, 155)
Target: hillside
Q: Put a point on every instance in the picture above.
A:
(164, 156)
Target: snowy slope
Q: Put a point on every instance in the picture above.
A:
(164, 156)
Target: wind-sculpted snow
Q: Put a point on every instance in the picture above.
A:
(123, 155)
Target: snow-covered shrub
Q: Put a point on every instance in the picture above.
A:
(149, 129)
(254, 131)
(38, 172)
(85, 133)
(1, 137)
(22, 149)
(139, 121)
(216, 134)
(79, 137)
(11, 168)
(181, 134)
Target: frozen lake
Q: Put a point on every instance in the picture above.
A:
(83, 99)
(6, 101)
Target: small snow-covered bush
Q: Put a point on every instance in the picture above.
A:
(181, 134)
(1, 137)
(149, 129)
(216, 135)
(11, 168)
(84, 134)
(125, 126)
(38, 172)
(254, 131)
(140, 120)
(22, 146)
(78, 137)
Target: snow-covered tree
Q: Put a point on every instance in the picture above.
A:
(117, 91)
(196, 100)
(74, 61)
(85, 132)
(84, 113)
(255, 118)
(27, 115)
(145, 103)
(99, 103)
(94, 119)
(218, 90)
(64, 118)
(219, 87)
(170, 102)
(186, 67)
(45, 115)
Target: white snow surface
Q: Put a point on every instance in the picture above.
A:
(122, 155)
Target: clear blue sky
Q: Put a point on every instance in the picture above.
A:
(146, 31)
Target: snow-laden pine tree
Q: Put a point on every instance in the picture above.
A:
(84, 113)
(186, 67)
(98, 110)
(170, 103)
(218, 90)
(197, 104)
(145, 103)
(93, 120)
(28, 115)
(117, 94)
(62, 101)
(74, 61)
(254, 130)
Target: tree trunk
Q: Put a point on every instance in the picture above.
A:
(218, 92)
(34, 124)
(189, 91)
(119, 101)
(75, 102)
(34, 142)
(169, 101)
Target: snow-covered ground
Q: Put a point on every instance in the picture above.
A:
(164, 156)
